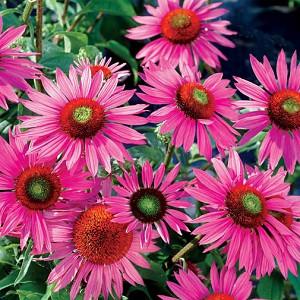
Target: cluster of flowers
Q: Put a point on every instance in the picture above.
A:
(50, 191)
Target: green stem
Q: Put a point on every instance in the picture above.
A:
(39, 29)
(27, 10)
(58, 38)
(39, 37)
(209, 69)
(187, 248)
(217, 258)
(91, 27)
(75, 23)
(169, 154)
(64, 15)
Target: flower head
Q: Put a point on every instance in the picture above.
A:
(95, 250)
(31, 187)
(224, 286)
(14, 67)
(275, 107)
(83, 117)
(192, 109)
(186, 33)
(153, 202)
(250, 214)
(104, 65)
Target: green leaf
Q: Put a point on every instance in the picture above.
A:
(147, 153)
(121, 51)
(25, 264)
(115, 7)
(9, 279)
(155, 273)
(49, 292)
(73, 40)
(10, 11)
(295, 281)
(91, 52)
(61, 295)
(28, 295)
(6, 256)
(55, 56)
(271, 287)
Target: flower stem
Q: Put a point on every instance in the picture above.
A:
(169, 154)
(58, 38)
(27, 10)
(91, 27)
(64, 15)
(187, 248)
(75, 23)
(39, 29)
(39, 37)
(209, 69)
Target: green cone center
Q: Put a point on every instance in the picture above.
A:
(82, 114)
(200, 96)
(180, 21)
(252, 203)
(291, 106)
(39, 189)
(149, 205)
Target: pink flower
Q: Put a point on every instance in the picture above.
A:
(275, 107)
(186, 34)
(83, 117)
(154, 202)
(14, 69)
(31, 187)
(95, 250)
(226, 286)
(251, 215)
(192, 109)
(103, 65)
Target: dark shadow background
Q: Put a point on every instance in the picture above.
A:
(264, 28)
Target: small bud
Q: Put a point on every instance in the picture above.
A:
(165, 138)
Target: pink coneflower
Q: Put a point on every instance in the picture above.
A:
(14, 69)
(250, 214)
(94, 250)
(30, 188)
(226, 286)
(83, 117)
(103, 65)
(186, 34)
(275, 107)
(191, 108)
(154, 202)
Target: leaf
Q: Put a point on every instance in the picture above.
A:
(155, 273)
(55, 56)
(295, 281)
(28, 295)
(73, 40)
(49, 292)
(271, 287)
(61, 295)
(9, 279)
(115, 7)
(144, 153)
(121, 51)
(91, 52)
(25, 264)
(10, 11)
